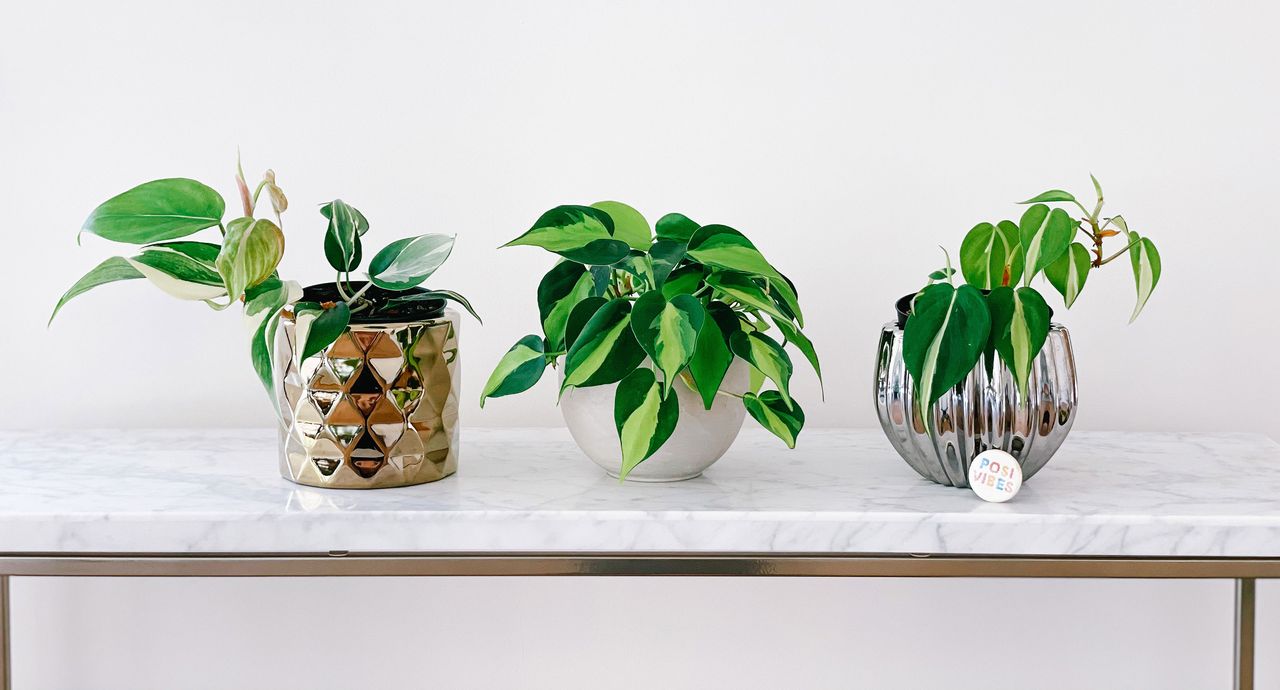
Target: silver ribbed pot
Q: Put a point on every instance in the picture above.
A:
(982, 412)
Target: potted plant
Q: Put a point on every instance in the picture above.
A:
(362, 373)
(666, 341)
(981, 365)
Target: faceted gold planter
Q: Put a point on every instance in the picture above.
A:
(377, 408)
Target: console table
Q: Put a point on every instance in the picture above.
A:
(525, 502)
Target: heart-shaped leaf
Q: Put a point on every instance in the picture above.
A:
(668, 331)
(767, 356)
(579, 316)
(518, 370)
(665, 256)
(676, 227)
(185, 270)
(796, 337)
(1068, 273)
(156, 211)
(566, 229)
(1020, 326)
(990, 255)
(1145, 261)
(944, 337)
(628, 224)
(407, 263)
(262, 316)
(605, 350)
(685, 280)
(775, 414)
(598, 252)
(317, 327)
(1044, 234)
(251, 251)
(112, 270)
(745, 289)
(561, 289)
(342, 237)
(644, 418)
(723, 247)
(711, 354)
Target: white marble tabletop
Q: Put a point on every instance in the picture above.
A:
(530, 490)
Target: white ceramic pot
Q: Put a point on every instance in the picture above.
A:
(700, 438)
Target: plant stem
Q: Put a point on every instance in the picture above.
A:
(1113, 257)
(345, 297)
(359, 292)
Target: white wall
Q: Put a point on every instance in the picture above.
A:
(847, 139)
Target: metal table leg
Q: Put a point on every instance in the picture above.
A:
(1245, 599)
(5, 669)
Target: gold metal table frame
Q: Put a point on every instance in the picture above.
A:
(1244, 571)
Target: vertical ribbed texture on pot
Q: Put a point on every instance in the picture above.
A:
(983, 411)
(377, 408)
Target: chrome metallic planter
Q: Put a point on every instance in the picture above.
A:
(982, 412)
(377, 408)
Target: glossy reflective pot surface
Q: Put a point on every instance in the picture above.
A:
(984, 411)
(378, 408)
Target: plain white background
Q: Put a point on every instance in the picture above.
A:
(847, 139)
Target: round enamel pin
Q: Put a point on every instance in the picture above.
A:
(995, 476)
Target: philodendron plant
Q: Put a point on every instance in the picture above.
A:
(951, 328)
(649, 313)
(240, 267)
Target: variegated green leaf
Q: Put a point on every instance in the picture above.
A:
(342, 237)
(518, 370)
(1097, 188)
(990, 255)
(409, 262)
(561, 289)
(316, 327)
(251, 250)
(156, 211)
(1020, 325)
(796, 337)
(723, 247)
(744, 289)
(579, 316)
(782, 419)
(112, 270)
(447, 295)
(605, 350)
(1045, 235)
(1145, 261)
(628, 224)
(944, 338)
(684, 280)
(676, 227)
(711, 354)
(1051, 196)
(668, 331)
(566, 229)
(644, 418)
(185, 270)
(262, 317)
(767, 356)
(1068, 273)
(665, 255)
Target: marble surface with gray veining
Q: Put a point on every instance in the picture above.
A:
(531, 490)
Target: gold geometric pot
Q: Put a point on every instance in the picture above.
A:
(378, 408)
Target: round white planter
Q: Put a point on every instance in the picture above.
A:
(700, 438)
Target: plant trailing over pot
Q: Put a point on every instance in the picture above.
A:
(240, 267)
(951, 328)
(652, 313)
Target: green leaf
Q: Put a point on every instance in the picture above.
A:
(579, 316)
(185, 270)
(628, 224)
(517, 371)
(561, 289)
(784, 295)
(1020, 325)
(668, 331)
(744, 289)
(711, 354)
(605, 350)
(644, 418)
(156, 211)
(342, 237)
(262, 315)
(1068, 273)
(795, 336)
(676, 227)
(942, 273)
(598, 252)
(767, 356)
(945, 335)
(665, 255)
(685, 280)
(109, 271)
(1050, 196)
(568, 228)
(1145, 261)
(988, 255)
(723, 247)
(251, 251)
(318, 327)
(408, 262)
(451, 296)
(1044, 234)
(775, 414)
(1097, 188)
(638, 264)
